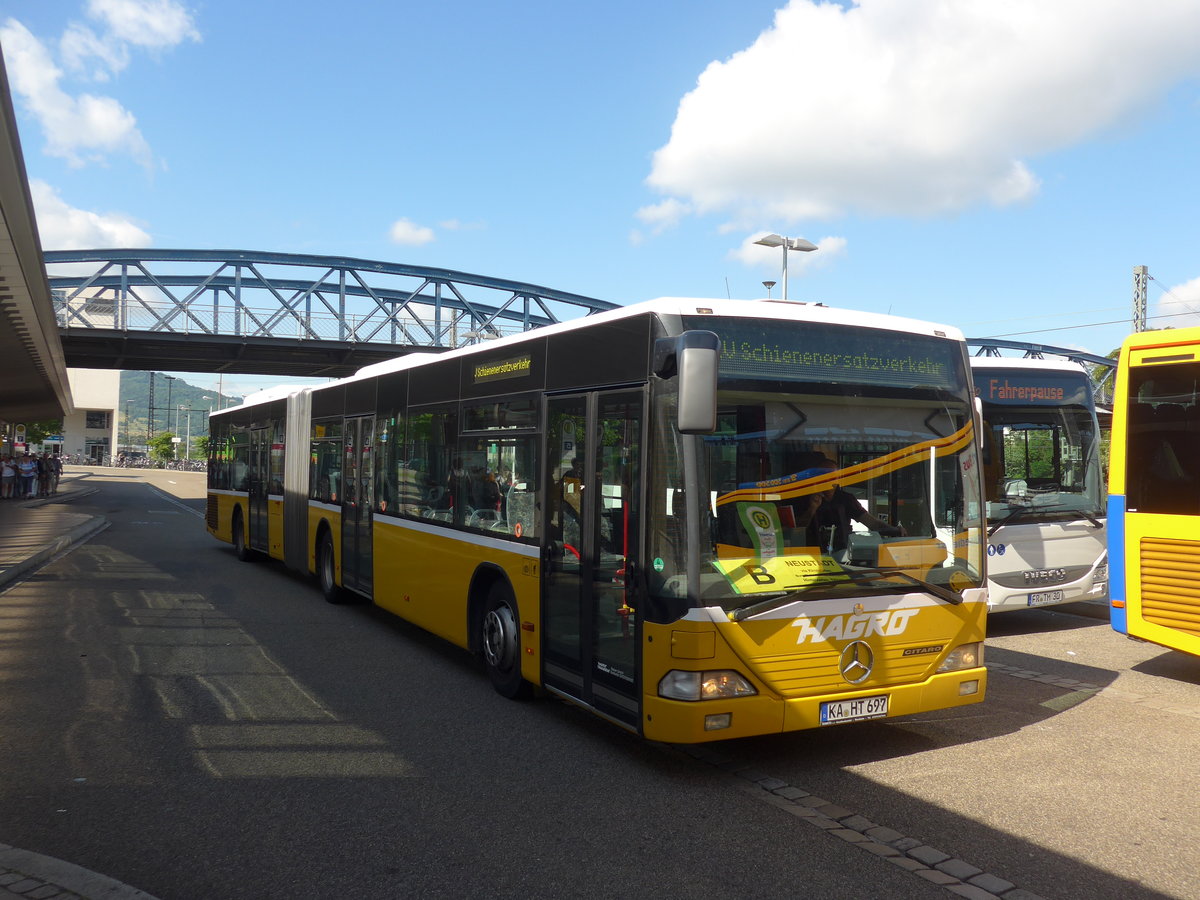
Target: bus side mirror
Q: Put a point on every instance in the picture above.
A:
(693, 358)
(979, 439)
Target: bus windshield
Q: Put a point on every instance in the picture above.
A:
(1040, 458)
(842, 471)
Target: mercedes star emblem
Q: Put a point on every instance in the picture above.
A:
(857, 662)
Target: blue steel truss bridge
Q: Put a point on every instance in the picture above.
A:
(248, 312)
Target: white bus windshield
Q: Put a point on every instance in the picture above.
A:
(1040, 447)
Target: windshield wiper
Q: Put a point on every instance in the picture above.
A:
(870, 573)
(858, 576)
(1014, 513)
(1017, 511)
(765, 605)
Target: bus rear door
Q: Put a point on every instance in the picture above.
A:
(358, 480)
(259, 479)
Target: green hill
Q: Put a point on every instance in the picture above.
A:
(134, 412)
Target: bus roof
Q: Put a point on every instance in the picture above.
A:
(686, 306)
(791, 310)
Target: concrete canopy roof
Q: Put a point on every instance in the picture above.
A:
(33, 373)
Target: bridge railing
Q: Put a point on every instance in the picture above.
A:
(256, 322)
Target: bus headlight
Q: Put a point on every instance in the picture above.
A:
(717, 685)
(1101, 573)
(966, 656)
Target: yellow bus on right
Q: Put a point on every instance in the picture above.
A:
(1154, 490)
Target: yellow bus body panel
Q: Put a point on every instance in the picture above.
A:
(1162, 594)
(275, 527)
(425, 578)
(225, 505)
(793, 679)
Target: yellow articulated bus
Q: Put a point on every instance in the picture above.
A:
(699, 519)
(1154, 490)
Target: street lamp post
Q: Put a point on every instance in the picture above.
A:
(171, 381)
(768, 285)
(188, 451)
(775, 240)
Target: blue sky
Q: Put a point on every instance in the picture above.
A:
(999, 167)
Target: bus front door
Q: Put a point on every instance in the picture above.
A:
(259, 479)
(591, 540)
(358, 473)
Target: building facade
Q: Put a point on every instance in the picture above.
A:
(91, 431)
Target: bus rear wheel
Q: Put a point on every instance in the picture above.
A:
(500, 640)
(240, 547)
(327, 569)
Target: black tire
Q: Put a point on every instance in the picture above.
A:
(240, 547)
(327, 569)
(500, 643)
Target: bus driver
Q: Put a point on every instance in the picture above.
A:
(826, 514)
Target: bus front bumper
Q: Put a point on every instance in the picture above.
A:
(1002, 599)
(680, 722)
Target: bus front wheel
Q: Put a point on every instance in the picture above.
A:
(500, 638)
(327, 569)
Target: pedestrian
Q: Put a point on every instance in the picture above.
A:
(8, 468)
(27, 470)
(43, 462)
(55, 472)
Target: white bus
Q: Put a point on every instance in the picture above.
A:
(1043, 483)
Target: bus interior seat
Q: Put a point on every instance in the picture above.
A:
(482, 518)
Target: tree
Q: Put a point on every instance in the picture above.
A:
(36, 432)
(161, 447)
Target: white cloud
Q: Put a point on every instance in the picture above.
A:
(1179, 307)
(83, 128)
(63, 227)
(771, 259)
(410, 234)
(153, 25)
(150, 24)
(661, 216)
(79, 47)
(914, 107)
(459, 225)
(78, 129)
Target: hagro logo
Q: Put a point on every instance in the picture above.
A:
(888, 623)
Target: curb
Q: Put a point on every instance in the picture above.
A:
(57, 545)
(34, 874)
(63, 497)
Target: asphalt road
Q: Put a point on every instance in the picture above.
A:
(203, 728)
